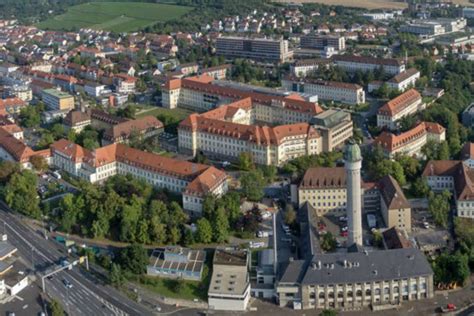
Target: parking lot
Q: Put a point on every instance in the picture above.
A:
(51, 186)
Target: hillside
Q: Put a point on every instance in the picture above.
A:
(114, 16)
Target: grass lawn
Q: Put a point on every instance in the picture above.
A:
(178, 114)
(114, 16)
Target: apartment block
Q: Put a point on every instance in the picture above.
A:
(57, 100)
(259, 49)
(411, 142)
(353, 63)
(193, 181)
(11, 106)
(405, 104)
(349, 93)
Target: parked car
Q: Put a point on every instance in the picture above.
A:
(262, 234)
(266, 215)
(343, 219)
(344, 234)
(256, 244)
(344, 229)
(448, 308)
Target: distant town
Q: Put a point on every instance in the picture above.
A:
(236, 157)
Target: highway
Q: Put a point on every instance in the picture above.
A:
(86, 296)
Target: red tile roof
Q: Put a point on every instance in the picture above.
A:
(124, 129)
(396, 105)
(204, 84)
(391, 142)
(16, 148)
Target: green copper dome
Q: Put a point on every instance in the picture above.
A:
(352, 152)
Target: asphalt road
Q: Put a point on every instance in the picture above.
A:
(87, 296)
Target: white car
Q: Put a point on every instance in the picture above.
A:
(266, 215)
(262, 234)
(256, 244)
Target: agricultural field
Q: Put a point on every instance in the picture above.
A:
(369, 4)
(114, 16)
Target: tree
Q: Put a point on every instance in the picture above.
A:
(328, 312)
(58, 131)
(464, 229)
(71, 207)
(389, 167)
(46, 140)
(269, 173)
(133, 258)
(220, 226)
(450, 268)
(39, 163)
(290, 214)
(116, 277)
(21, 195)
(7, 169)
(252, 184)
(246, 161)
(411, 166)
(30, 117)
(203, 231)
(420, 188)
(438, 206)
(188, 237)
(328, 242)
(56, 308)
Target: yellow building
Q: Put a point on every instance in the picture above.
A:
(57, 100)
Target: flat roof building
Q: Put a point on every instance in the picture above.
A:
(177, 262)
(57, 100)
(260, 49)
(229, 288)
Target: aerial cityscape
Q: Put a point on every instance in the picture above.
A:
(250, 157)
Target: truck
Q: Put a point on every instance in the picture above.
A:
(371, 220)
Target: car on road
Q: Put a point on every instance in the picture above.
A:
(448, 308)
(67, 284)
(343, 219)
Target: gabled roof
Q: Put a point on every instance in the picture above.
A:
(404, 75)
(324, 178)
(16, 148)
(391, 142)
(399, 103)
(392, 194)
(126, 128)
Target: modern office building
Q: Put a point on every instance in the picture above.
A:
(405, 104)
(353, 63)
(229, 288)
(349, 93)
(320, 41)
(335, 127)
(259, 49)
(57, 100)
(193, 181)
(411, 142)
